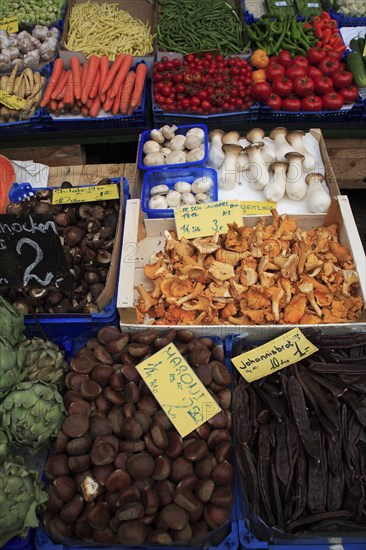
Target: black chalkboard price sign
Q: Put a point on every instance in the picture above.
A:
(31, 254)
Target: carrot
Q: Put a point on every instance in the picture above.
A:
(93, 65)
(55, 76)
(104, 68)
(89, 103)
(108, 104)
(116, 103)
(103, 97)
(95, 108)
(76, 76)
(95, 86)
(127, 91)
(141, 71)
(84, 111)
(121, 75)
(60, 86)
(53, 105)
(69, 91)
(84, 72)
(61, 106)
(62, 92)
(112, 72)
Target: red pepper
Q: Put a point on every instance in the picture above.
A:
(341, 49)
(327, 48)
(316, 19)
(333, 24)
(319, 44)
(307, 26)
(325, 15)
(318, 30)
(326, 25)
(327, 34)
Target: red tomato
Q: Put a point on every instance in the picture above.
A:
(164, 59)
(291, 104)
(284, 59)
(273, 59)
(274, 102)
(315, 55)
(185, 103)
(314, 73)
(176, 62)
(206, 105)
(166, 91)
(349, 94)
(324, 85)
(312, 103)
(336, 55)
(160, 67)
(158, 77)
(261, 91)
(282, 86)
(169, 65)
(190, 58)
(329, 65)
(295, 71)
(301, 61)
(273, 71)
(332, 101)
(195, 101)
(304, 86)
(177, 78)
(342, 79)
(180, 88)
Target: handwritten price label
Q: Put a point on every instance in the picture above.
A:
(257, 208)
(11, 101)
(10, 24)
(178, 390)
(85, 194)
(273, 356)
(203, 220)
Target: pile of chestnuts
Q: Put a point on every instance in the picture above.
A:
(87, 232)
(119, 471)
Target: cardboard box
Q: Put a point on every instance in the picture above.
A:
(140, 9)
(145, 237)
(330, 177)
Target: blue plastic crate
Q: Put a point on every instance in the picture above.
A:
(17, 543)
(347, 21)
(138, 119)
(182, 130)
(344, 115)
(169, 176)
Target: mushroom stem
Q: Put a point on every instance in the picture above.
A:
(308, 290)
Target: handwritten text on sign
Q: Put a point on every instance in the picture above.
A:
(274, 355)
(11, 101)
(85, 194)
(257, 208)
(31, 254)
(203, 220)
(178, 390)
(10, 24)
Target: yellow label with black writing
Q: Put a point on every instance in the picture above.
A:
(10, 24)
(203, 220)
(85, 194)
(11, 101)
(274, 355)
(178, 390)
(257, 208)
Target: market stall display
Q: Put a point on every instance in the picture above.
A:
(34, 12)
(28, 49)
(27, 89)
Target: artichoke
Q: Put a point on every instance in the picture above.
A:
(31, 414)
(43, 361)
(21, 497)
(11, 322)
(11, 363)
(4, 446)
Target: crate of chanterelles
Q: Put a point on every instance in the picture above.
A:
(262, 278)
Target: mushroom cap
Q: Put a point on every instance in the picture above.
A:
(291, 137)
(256, 145)
(236, 149)
(255, 135)
(313, 175)
(278, 164)
(214, 133)
(279, 131)
(230, 138)
(294, 155)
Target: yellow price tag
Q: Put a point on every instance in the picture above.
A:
(274, 355)
(85, 194)
(203, 220)
(257, 208)
(11, 101)
(179, 392)
(10, 24)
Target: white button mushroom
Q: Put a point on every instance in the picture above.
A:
(178, 142)
(154, 159)
(159, 190)
(192, 142)
(195, 155)
(165, 151)
(173, 198)
(196, 132)
(157, 136)
(188, 198)
(151, 146)
(202, 185)
(202, 198)
(168, 131)
(182, 187)
(157, 202)
(176, 157)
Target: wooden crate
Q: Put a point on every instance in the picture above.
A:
(348, 158)
(51, 156)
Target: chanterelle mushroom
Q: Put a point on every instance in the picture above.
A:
(308, 290)
(221, 271)
(350, 277)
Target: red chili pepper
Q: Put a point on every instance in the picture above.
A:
(318, 31)
(307, 26)
(341, 49)
(327, 48)
(327, 34)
